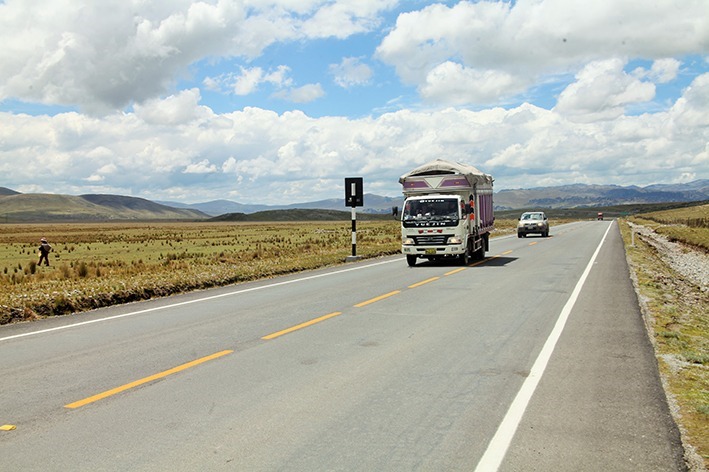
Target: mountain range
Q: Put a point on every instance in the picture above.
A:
(19, 207)
(566, 196)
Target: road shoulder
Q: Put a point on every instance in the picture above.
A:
(600, 404)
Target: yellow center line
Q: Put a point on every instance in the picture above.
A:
(482, 261)
(507, 252)
(423, 282)
(532, 244)
(300, 326)
(455, 271)
(145, 380)
(376, 299)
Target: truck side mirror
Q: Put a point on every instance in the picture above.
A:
(467, 208)
(395, 211)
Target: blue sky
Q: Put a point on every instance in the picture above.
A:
(261, 101)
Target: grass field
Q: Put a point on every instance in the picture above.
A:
(676, 313)
(94, 265)
(102, 264)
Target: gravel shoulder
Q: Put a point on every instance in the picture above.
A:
(683, 259)
(672, 300)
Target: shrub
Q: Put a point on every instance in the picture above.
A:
(82, 270)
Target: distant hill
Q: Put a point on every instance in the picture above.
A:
(41, 207)
(7, 191)
(566, 196)
(219, 207)
(18, 207)
(372, 204)
(299, 214)
(581, 195)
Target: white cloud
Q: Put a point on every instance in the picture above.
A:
(156, 140)
(173, 110)
(527, 40)
(249, 80)
(691, 110)
(664, 70)
(351, 72)
(95, 178)
(201, 167)
(453, 84)
(341, 19)
(306, 93)
(602, 91)
(260, 156)
(104, 56)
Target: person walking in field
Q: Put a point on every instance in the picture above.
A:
(44, 250)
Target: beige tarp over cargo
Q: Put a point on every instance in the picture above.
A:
(443, 167)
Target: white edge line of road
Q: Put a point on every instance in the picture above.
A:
(189, 302)
(497, 449)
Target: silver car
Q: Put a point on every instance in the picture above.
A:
(533, 222)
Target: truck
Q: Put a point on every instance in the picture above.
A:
(447, 212)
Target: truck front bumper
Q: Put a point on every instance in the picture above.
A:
(433, 251)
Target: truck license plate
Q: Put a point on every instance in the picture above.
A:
(430, 251)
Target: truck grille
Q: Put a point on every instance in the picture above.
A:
(431, 240)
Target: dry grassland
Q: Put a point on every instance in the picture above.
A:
(102, 264)
(676, 314)
(95, 265)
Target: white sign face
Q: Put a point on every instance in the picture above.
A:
(434, 182)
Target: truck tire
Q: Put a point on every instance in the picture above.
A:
(411, 260)
(465, 258)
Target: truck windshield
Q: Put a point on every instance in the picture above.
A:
(432, 209)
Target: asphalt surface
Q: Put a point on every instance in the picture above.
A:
(534, 359)
(600, 405)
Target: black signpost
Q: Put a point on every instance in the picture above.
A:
(354, 197)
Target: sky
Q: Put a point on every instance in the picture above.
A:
(278, 101)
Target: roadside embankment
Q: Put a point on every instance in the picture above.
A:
(671, 277)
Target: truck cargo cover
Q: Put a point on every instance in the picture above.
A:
(443, 167)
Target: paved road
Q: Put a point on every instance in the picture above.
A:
(534, 359)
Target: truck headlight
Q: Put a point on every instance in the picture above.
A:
(407, 242)
(455, 240)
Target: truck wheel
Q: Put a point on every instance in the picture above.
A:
(465, 258)
(411, 260)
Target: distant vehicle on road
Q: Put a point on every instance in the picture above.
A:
(533, 222)
(600, 215)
